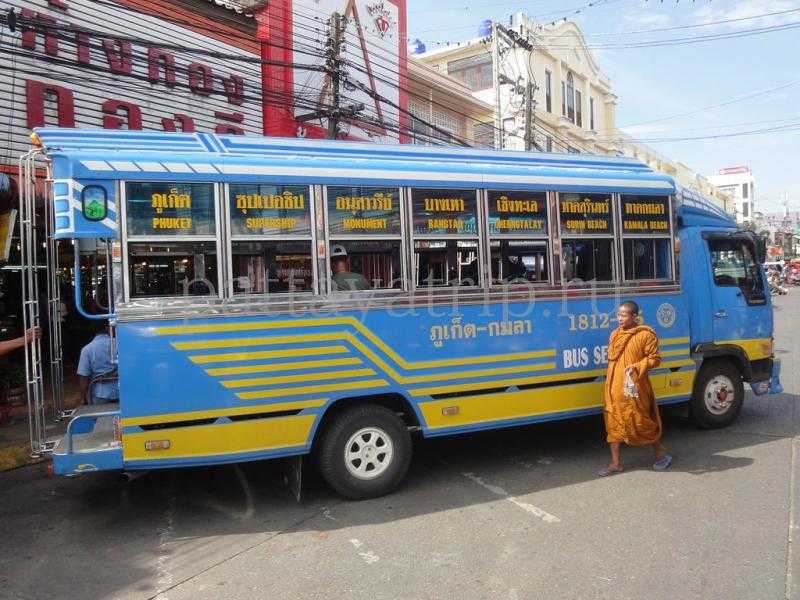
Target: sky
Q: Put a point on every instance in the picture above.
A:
(674, 91)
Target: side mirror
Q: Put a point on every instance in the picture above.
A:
(761, 249)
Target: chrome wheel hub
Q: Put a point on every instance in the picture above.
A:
(719, 395)
(368, 453)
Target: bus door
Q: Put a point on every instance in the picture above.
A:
(739, 303)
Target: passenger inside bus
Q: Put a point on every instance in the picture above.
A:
(446, 262)
(343, 279)
(95, 362)
(519, 261)
(588, 260)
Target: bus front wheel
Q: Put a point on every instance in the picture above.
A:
(364, 452)
(718, 395)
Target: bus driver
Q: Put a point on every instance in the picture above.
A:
(343, 279)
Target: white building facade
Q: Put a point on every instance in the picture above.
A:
(739, 183)
(574, 107)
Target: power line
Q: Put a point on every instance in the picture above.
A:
(50, 27)
(790, 127)
(714, 106)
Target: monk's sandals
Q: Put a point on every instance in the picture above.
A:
(663, 463)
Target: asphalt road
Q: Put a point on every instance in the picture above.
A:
(508, 515)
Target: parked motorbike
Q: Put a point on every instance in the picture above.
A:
(776, 286)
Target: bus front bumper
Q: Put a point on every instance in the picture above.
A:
(770, 384)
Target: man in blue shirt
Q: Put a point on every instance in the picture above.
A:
(96, 360)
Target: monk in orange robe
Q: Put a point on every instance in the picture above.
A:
(632, 350)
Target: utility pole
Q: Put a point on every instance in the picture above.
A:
(529, 89)
(334, 111)
(498, 121)
(334, 66)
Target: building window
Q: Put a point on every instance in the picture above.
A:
(570, 97)
(591, 113)
(422, 117)
(563, 99)
(745, 209)
(578, 109)
(548, 92)
(548, 143)
(483, 135)
(744, 190)
(475, 72)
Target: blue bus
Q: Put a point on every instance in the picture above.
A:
(281, 297)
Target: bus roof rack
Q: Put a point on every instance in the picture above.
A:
(696, 209)
(139, 155)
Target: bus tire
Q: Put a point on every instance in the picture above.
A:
(364, 452)
(718, 395)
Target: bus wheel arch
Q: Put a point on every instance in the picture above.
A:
(363, 445)
(718, 393)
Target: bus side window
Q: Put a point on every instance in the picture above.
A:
(162, 262)
(446, 250)
(646, 228)
(365, 234)
(587, 230)
(518, 227)
(647, 258)
(270, 248)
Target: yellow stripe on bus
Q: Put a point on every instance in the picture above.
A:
(503, 383)
(501, 406)
(238, 383)
(755, 349)
(313, 389)
(364, 349)
(291, 352)
(328, 321)
(220, 439)
(680, 352)
(461, 387)
(256, 341)
(223, 412)
(344, 335)
(673, 341)
(285, 366)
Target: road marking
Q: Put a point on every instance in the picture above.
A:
(369, 556)
(792, 526)
(498, 491)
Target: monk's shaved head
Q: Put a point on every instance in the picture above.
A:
(630, 306)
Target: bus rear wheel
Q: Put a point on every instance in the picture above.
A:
(718, 395)
(364, 452)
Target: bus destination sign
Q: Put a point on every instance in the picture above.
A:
(645, 214)
(269, 210)
(363, 211)
(519, 213)
(443, 212)
(585, 214)
(170, 209)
